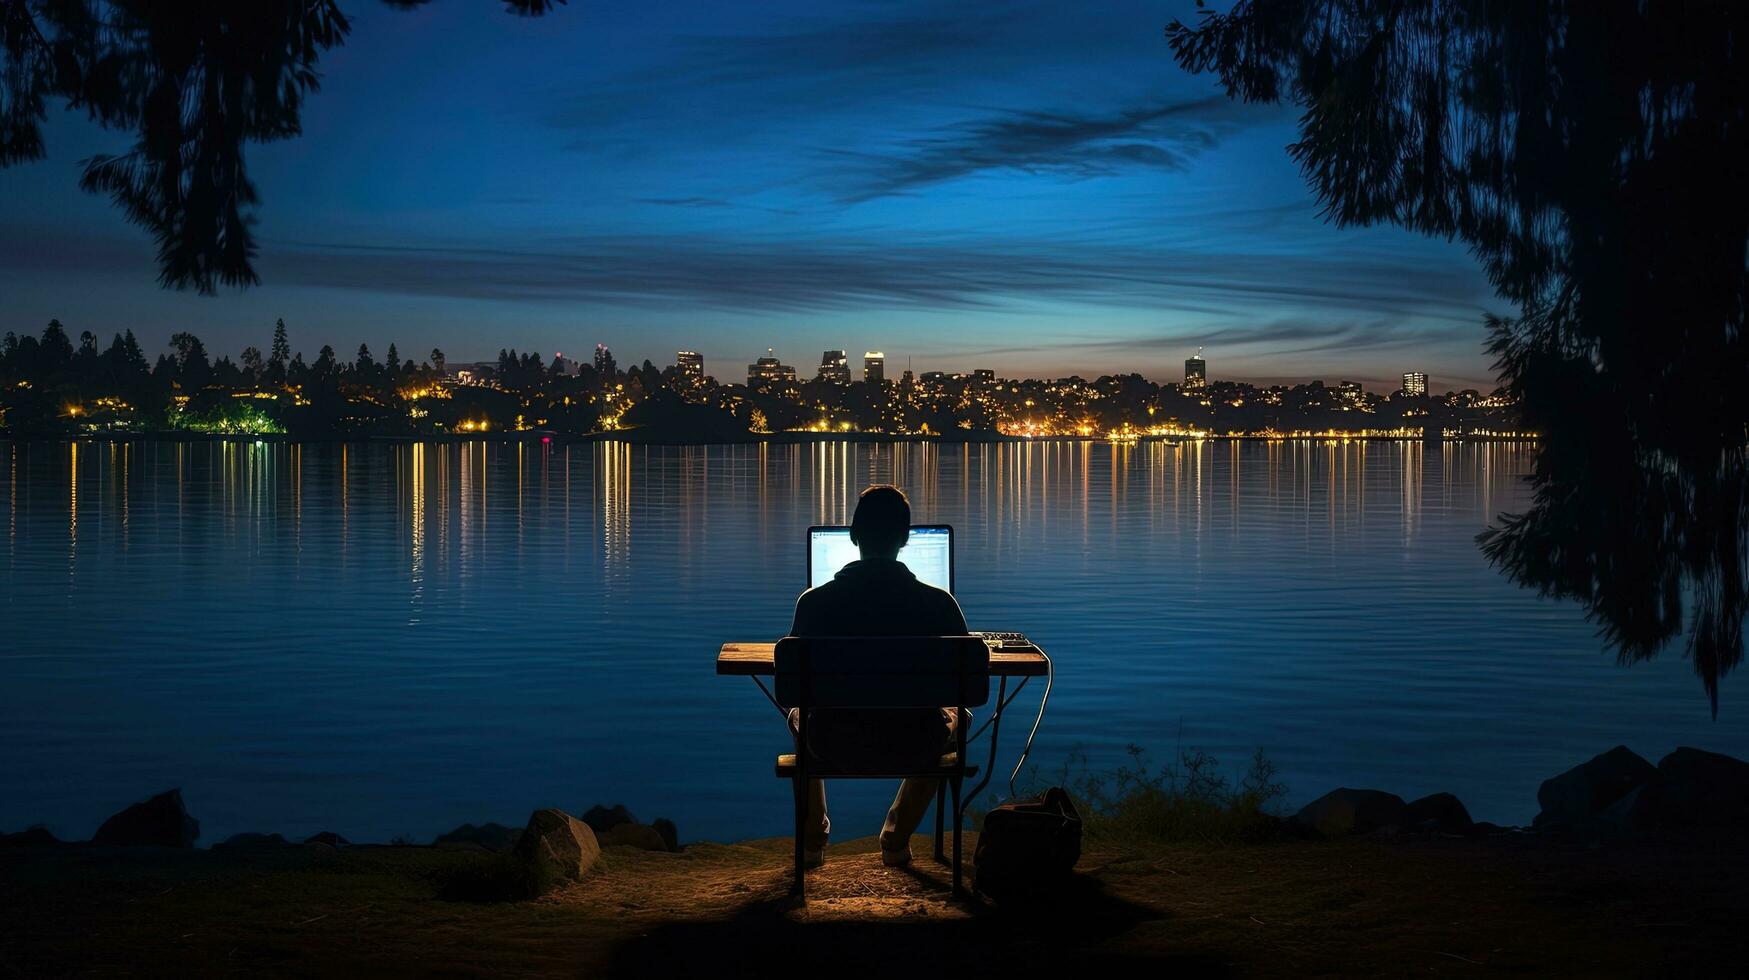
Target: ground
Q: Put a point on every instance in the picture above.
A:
(1342, 908)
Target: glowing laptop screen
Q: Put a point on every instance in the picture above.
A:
(928, 553)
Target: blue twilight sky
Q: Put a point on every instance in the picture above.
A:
(1031, 187)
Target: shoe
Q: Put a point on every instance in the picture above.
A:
(813, 859)
(896, 859)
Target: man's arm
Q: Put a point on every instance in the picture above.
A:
(804, 622)
(953, 619)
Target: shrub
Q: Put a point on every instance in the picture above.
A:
(1190, 800)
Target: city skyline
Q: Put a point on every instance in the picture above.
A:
(1041, 191)
(834, 366)
(52, 385)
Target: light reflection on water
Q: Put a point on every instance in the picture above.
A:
(394, 639)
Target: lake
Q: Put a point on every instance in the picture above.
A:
(391, 640)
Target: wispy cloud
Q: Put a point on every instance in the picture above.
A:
(755, 275)
(795, 66)
(1283, 337)
(772, 275)
(1332, 346)
(686, 202)
(1161, 137)
(708, 203)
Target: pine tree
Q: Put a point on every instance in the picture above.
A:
(281, 349)
(135, 358)
(279, 354)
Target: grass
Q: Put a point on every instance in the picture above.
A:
(1190, 800)
(494, 878)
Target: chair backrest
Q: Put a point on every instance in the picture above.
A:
(883, 671)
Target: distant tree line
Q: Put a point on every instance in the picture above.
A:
(52, 384)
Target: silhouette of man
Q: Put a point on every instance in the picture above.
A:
(877, 596)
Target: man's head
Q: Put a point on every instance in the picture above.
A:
(882, 521)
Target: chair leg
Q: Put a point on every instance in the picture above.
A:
(797, 888)
(940, 821)
(956, 837)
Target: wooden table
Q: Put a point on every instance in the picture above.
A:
(757, 660)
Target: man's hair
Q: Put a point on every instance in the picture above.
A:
(883, 519)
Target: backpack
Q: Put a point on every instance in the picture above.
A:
(1027, 847)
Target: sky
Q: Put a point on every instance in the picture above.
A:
(1035, 188)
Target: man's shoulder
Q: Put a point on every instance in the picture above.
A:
(827, 591)
(931, 593)
(942, 605)
(819, 609)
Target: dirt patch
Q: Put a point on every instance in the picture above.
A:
(1309, 908)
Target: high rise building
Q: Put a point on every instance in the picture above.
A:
(1414, 383)
(690, 365)
(834, 367)
(768, 369)
(1196, 371)
(874, 366)
(906, 379)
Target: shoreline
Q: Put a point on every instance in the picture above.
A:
(1357, 906)
(631, 436)
(1358, 882)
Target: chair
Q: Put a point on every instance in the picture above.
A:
(879, 672)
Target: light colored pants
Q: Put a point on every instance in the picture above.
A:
(912, 802)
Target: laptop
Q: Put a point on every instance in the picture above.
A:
(928, 553)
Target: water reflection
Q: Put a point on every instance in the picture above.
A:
(417, 526)
(355, 635)
(72, 513)
(615, 467)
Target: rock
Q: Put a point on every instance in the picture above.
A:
(1483, 828)
(640, 836)
(1694, 788)
(1577, 796)
(1440, 812)
(670, 833)
(491, 836)
(558, 843)
(249, 841)
(1625, 816)
(327, 837)
(602, 819)
(1351, 811)
(37, 836)
(161, 820)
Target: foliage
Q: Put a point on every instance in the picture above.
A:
(1190, 801)
(239, 418)
(194, 83)
(1591, 157)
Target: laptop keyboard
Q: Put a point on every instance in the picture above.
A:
(1005, 641)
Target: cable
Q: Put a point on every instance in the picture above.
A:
(1050, 677)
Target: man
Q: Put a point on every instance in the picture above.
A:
(877, 596)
